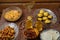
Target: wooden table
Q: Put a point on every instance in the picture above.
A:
(22, 1)
(52, 5)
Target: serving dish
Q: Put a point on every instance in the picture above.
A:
(53, 20)
(12, 25)
(12, 13)
(50, 33)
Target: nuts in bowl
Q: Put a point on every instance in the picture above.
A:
(12, 13)
(8, 31)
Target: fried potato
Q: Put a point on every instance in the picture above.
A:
(7, 33)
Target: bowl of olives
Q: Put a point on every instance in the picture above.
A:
(45, 15)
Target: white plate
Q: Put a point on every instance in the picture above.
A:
(51, 34)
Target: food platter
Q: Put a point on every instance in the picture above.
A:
(12, 25)
(11, 10)
(54, 20)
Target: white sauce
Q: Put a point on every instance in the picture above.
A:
(50, 35)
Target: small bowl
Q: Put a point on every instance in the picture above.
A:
(53, 30)
(54, 20)
(12, 25)
(12, 8)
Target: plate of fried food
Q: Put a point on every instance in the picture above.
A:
(45, 15)
(12, 13)
(8, 31)
(32, 29)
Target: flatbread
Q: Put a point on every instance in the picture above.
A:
(50, 35)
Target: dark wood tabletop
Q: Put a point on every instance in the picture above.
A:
(28, 1)
(54, 6)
